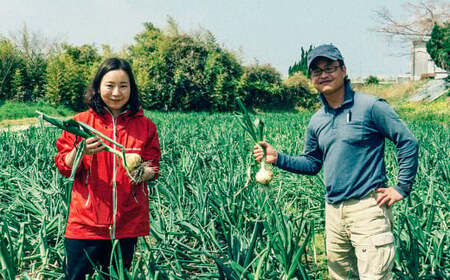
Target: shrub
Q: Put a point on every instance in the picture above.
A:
(261, 86)
(371, 80)
(178, 71)
(299, 92)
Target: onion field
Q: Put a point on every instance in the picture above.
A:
(207, 221)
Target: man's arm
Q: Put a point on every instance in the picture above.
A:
(309, 163)
(392, 127)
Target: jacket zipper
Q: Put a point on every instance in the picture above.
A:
(114, 183)
(114, 195)
(86, 184)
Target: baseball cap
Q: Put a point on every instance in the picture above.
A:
(326, 50)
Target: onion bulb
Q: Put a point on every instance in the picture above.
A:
(133, 161)
(264, 174)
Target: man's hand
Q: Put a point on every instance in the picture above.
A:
(271, 154)
(388, 195)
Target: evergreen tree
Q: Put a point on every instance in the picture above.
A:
(301, 65)
(439, 46)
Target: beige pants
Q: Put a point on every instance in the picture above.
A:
(359, 239)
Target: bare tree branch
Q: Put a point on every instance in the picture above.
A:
(419, 22)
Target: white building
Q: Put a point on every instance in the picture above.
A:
(421, 63)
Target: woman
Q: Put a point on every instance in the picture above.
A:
(105, 205)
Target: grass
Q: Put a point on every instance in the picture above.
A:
(16, 113)
(19, 113)
(393, 93)
(436, 111)
(397, 94)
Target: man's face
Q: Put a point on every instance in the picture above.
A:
(327, 76)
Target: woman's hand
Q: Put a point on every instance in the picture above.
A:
(144, 172)
(93, 146)
(149, 173)
(271, 154)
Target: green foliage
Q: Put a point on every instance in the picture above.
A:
(10, 61)
(146, 58)
(185, 61)
(300, 92)
(12, 110)
(65, 82)
(86, 57)
(68, 74)
(177, 71)
(439, 46)
(18, 84)
(261, 86)
(173, 70)
(22, 69)
(301, 65)
(222, 73)
(371, 80)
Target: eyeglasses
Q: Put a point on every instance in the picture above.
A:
(329, 69)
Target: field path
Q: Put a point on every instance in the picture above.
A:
(19, 125)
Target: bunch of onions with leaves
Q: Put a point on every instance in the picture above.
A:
(256, 131)
(131, 162)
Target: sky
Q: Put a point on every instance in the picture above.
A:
(260, 31)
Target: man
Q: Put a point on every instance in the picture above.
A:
(346, 136)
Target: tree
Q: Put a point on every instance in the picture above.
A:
(65, 82)
(86, 57)
(302, 64)
(420, 19)
(178, 71)
(33, 50)
(222, 74)
(439, 46)
(146, 57)
(261, 86)
(9, 62)
(68, 75)
(17, 83)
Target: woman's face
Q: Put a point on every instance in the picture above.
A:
(115, 90)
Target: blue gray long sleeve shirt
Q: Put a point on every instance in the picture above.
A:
(349, 143)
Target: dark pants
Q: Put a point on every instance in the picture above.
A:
(77, 264)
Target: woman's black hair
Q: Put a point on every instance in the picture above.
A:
(92, 97)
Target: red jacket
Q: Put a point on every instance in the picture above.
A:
(92, 212)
